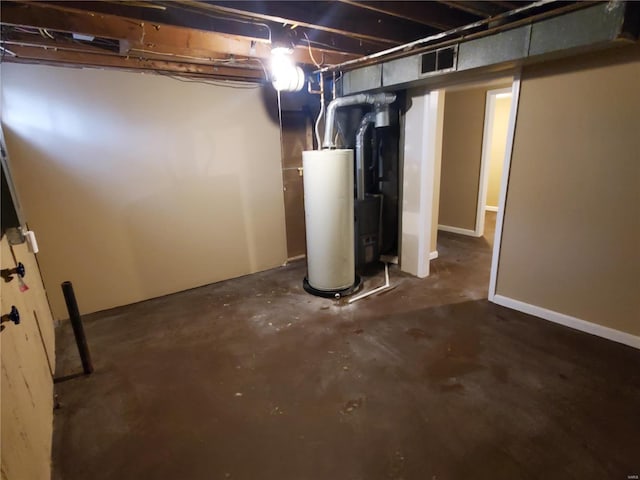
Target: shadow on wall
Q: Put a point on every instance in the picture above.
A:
(61, 209)
(151, 188)
(269, 99)
(157, 226)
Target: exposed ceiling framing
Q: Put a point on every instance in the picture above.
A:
(227, 39)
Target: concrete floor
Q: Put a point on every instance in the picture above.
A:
(254, 379)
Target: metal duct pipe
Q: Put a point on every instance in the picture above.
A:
(364, 124)
(407, 48)
(378, 100)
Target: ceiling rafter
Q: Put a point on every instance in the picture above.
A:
(238, 35)
(198, 16)
(164, 39)
(480, 9)
(64, 57)
(507, 5)
(431, 14)
(333, 17)
(31, 40)
(12, 39)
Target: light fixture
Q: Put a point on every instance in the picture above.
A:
(504, 95)
(286, 76)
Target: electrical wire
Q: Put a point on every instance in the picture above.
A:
(202, 11)
(218, 83)
(264, 69)
(310, 52)
(226, 61)
(6, 51)
(223, 61)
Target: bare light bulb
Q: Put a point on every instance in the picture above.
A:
(286, 76)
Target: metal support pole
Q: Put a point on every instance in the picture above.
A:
(76, 323)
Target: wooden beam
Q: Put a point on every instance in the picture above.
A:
(30, 40)
(63, 57)
(157, 38)
(431, 14)
(198, 16)
(13, 39)
(334, 17)
(480, 9)
(507, 5)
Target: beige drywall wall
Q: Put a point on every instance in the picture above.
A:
(421, 148)
(139, 185)
(27, 358)
(499, 127)
(437, 173)
(461, 155)
(571, 235)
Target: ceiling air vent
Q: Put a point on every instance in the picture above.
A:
(438, 61)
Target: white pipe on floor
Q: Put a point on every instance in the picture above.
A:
(386, 285)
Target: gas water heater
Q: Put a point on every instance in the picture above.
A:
(329, 185)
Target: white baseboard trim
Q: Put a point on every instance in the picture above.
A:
(568, 321)
(433, 255)
(460, 231)
(490, 208)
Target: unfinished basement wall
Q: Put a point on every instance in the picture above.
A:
(140, 185)
(571, 235)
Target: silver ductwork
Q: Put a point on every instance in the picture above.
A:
(364, 124)
(592, 27)
(380, 102)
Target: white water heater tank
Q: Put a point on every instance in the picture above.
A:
(329, 216)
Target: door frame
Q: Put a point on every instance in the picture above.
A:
(504, 183)
(485, 160)
(419, 178)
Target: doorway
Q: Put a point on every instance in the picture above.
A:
(494, 144)
(474, 139)
(477, 132)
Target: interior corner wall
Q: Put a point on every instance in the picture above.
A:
(420, 151)
(461, 156)
(571, 233)
(139, 185)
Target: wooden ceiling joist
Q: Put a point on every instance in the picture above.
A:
(30, 40)
(333, 17)
(142, 38)
(480, 9)
(431, 14)
(64, 57)
(236, 37)
(200, 16)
